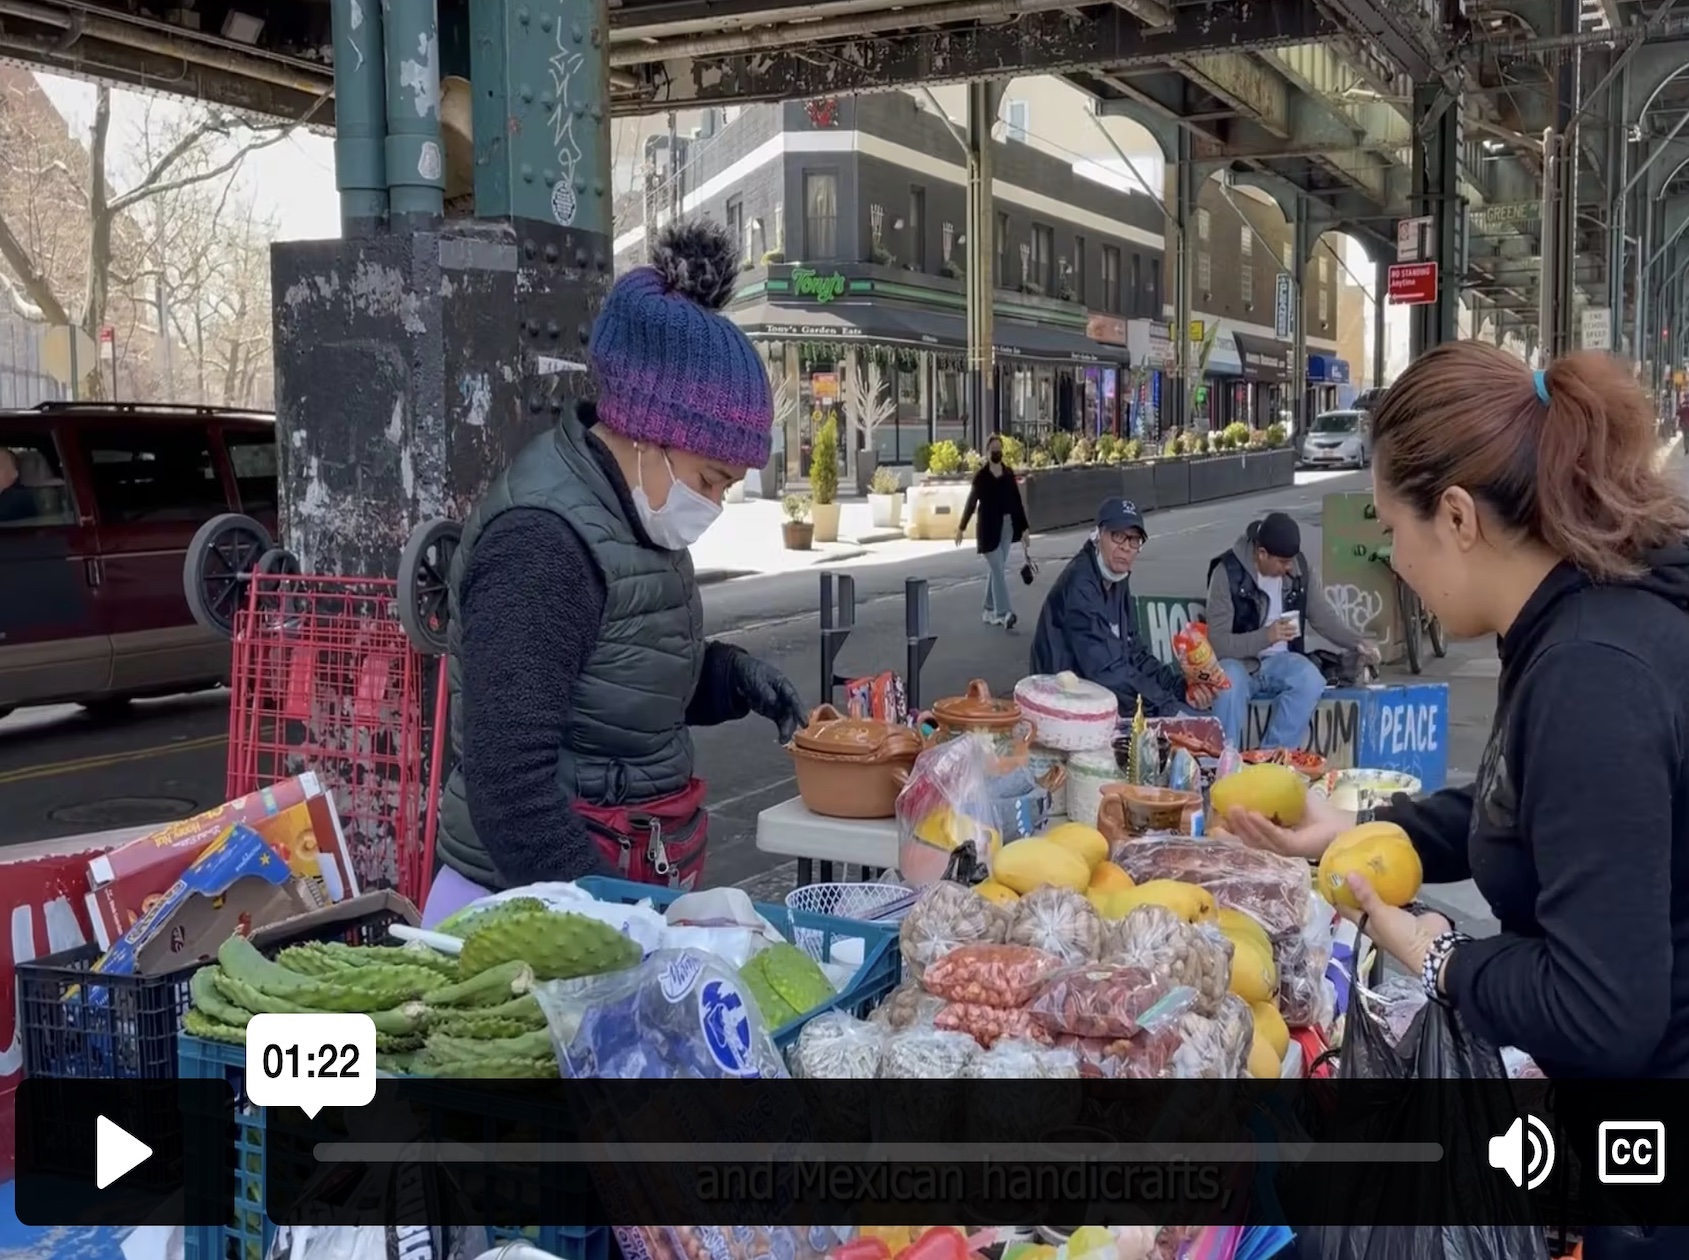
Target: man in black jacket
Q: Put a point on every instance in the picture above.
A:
(1087, 624)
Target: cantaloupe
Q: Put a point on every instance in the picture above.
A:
(1270, 1025)
(1028, 864)
(1085, 842)
(1275, 792)
(1382, 854)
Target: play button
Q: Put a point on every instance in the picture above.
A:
(116, 1152)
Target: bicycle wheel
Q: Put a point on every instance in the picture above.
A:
(1437, 635)
(1412, 623)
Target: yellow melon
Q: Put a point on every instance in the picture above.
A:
(1269, 1024)
(997, 894)
(1379, 852)
(1237, 921)
(1275, 792)
(1028, 864)
(1191, 902)
(1254, 974)
(1085, 842)
(1263, 1063)
(1109, 878)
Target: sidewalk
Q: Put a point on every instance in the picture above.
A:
(746, 541)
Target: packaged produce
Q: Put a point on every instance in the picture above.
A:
(679, 1015)
(906, 1006)
(1380, 853)
(1156, 940)
(1271, 889)
(990, 975)
(1058, 921)
(1069, 713)
(925, 1054)
(946, 917)
(987, 1024)
(1304, 997)
(786, 983)
(944, 813)
(1021, 1059)
(1031, 863)
(1146, 1057)
(719, 1242)
(1196, 658)
(1214, 1048)
(1275, 792)
(1108, 1001)
(835, 1046)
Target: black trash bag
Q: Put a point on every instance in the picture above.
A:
(1436, 1047)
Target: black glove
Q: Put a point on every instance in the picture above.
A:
(769, 693)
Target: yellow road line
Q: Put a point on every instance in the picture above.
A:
(52, 769)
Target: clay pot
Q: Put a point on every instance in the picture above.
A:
(977, 711)
(849, 767)
(1128, 810)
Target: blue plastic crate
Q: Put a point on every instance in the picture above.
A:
(882, 959)
(248, 1232)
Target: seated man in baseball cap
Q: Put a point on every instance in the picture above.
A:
(1263, 596)
(1087, 625)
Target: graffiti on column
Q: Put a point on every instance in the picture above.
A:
(1357, 607)
(565, 65)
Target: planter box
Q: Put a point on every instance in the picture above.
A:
(1217, 477)
(1281, 466)
(885, 511)
(825, 518)
(1137, 483)
(934, 508)
(1172, 483)
(1060, 498)
(797, 535)
(866, 462)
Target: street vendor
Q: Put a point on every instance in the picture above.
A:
(1528, 506)
(1264, 595)
(577, 652)
(1087, 625)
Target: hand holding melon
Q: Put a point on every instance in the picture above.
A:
(1378, 852)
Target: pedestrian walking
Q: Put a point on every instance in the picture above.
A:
(1002, 523)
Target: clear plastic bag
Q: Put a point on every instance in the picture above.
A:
(739, 1242)
(906, 1006)
(1303, 996)
(1058, 921)
(679, 1015)
(989, 1024)
(1156, 940)
(835, 1046)
(922, 1054)
(990, 975)
(1020, 1059)
(947, 917)
(1209, 1049)
(1273, 889)
(1100, 1000)
(377, 1242)
(945, 813)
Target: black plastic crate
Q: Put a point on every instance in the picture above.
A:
(78, 1023)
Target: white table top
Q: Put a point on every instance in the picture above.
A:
(792, 831)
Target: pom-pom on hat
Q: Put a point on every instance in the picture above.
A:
(672, 369)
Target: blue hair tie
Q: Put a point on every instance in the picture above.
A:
(1540, 377)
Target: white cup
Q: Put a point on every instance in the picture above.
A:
(1295, 620)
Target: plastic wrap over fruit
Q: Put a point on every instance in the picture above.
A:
(1272, 889)
(679, 1015)
(947, 805)
(835, 1046)
(1058, 921)
(947, 917)
(1158, 941)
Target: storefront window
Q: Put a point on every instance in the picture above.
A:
(949, 422)
(896, 439)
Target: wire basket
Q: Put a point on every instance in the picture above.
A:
(871, 903)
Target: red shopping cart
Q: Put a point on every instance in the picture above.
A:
(343, 676)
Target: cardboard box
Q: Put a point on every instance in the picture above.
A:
(320, 924)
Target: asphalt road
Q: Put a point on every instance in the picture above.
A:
(62, 772)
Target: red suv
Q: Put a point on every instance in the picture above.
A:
(98, 502)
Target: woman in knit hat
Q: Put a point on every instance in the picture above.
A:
(578, 661)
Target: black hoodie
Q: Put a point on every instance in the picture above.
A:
(1577, 831)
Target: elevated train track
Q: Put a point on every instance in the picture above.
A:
(1309, 99)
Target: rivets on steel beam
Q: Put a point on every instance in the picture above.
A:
(527, 173)
(552, 331)
(531, 328)
(526, 94)
(580, 257)
(529, 249)
(583, 333)
(545, 24)
(576, 33)
(536, 404)
(523, 17)
(550, 253)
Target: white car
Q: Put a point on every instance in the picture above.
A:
(1338, 439)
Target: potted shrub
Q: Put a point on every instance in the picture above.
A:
(885, 500)
(797, 532)
(944, 459)
(824, 482)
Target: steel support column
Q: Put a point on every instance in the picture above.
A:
(360, 117)
(1186, 185)
(1301, 251)
(416, 166)
(1618, 173)
(983, 101)
(1380, 286)
(1560, 191)
(1640, 340)
(1434, 193)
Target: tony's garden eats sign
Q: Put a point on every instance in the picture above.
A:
(810, 284)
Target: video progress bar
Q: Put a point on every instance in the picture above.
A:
(875, 1152)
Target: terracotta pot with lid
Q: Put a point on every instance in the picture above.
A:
(848, 767)
(977, 711)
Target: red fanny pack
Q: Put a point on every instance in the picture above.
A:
(660, 841)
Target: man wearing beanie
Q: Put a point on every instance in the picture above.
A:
(1263, 595)
(577, 657)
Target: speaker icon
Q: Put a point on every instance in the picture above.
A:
(1507, 1152)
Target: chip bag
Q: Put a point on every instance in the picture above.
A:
(1196, 657)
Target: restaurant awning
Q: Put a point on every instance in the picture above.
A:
(1044, 344)
(880, 323)
(1263, 359)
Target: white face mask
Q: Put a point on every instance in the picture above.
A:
(1109, 575)
(684, 516)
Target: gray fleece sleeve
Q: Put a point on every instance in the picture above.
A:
(1228, 646)
(1323, 617)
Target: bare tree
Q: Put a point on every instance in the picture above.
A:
(871, 403)
(73, 199)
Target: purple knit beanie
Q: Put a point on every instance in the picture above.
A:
(672, 369)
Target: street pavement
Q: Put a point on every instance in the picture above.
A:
(64, 773)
